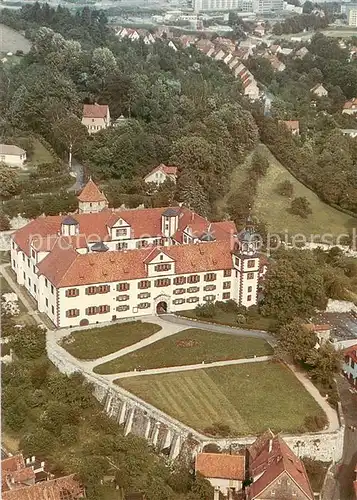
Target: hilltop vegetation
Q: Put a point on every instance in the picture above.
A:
(180, 107)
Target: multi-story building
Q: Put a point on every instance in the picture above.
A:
(111, 264)
(352, 16)
(222, 5)
(267, 6)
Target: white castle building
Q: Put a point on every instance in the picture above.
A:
(101, 264)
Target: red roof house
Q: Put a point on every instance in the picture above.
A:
(276, 471)
(161, 173)
(225, 472)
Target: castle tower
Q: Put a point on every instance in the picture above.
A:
(91, 199)
(247, 262)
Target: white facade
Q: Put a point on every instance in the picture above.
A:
(96, 117)
(161, 174)
(224, 486)
(164, 260)
(128, 298)
(352, 17)
(319, 90)
(13, 156)
(350, 365)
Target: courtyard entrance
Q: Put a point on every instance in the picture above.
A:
(161, 307)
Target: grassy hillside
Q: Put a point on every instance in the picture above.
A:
(272, 208)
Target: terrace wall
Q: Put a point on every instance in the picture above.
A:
(173, 437)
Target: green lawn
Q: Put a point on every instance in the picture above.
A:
(188, 348)
(248, 398)
(40, 154)
(255, 322)
(97, 342)
(272, 208)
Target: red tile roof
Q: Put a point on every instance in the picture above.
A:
(63, 488)
(351, 352)
(95, 110)
(166, 169)
(66, 268)
(269, 458)
(91, 193)
(291, 124)
(9, 467)
(221, 465)
(350, 104)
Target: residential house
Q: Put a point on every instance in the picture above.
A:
(160, 174)
(351, 132)
(250, 86)
(225, 472)
(285, 51)
(301, 53)
(28, 480)
(350, 107)
(204, 45)
(275, 49)
(275, 471)
(11, 155)
(95, 117)
(349, 367)
(319, 90)
(101, 264)
(220, 55)
(276, 64)
(172, 45)
(292, 125)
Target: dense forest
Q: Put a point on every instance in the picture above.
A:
(180, 107)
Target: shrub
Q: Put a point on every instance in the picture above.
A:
(285, 188)
(314, 423)
(4, 222)
(229, 306)
(218, 429)
(205, 310)
(211, 448)
(300, 206)
(241, 319)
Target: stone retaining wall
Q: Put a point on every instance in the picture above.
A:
(168, 434)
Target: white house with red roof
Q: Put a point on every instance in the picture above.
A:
(225, 472)
(275, 471)
(350, 364)
(101, 264)
(160, 174)
(350, 107)
(95, 117)
(292, 125)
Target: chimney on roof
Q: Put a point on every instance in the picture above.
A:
(270, 445)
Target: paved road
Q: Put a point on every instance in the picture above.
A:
(179, 320)
(343, 481)
(78, 170)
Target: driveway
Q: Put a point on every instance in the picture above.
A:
(231, 330)
(345, 474)
(78, 171)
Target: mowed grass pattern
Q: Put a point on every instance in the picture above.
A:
(97, 342)
(248, 398)
(188, 347)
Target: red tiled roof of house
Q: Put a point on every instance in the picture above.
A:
(45, 231)
(10, 466)
(66, 268)
(349, 104)
(291, 124)
(67, 488)
(217, 465)
(351, 352)
(95, 110)
(271, 458)
(167, 169)
(91, 193)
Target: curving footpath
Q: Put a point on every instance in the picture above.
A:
(170, 325)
